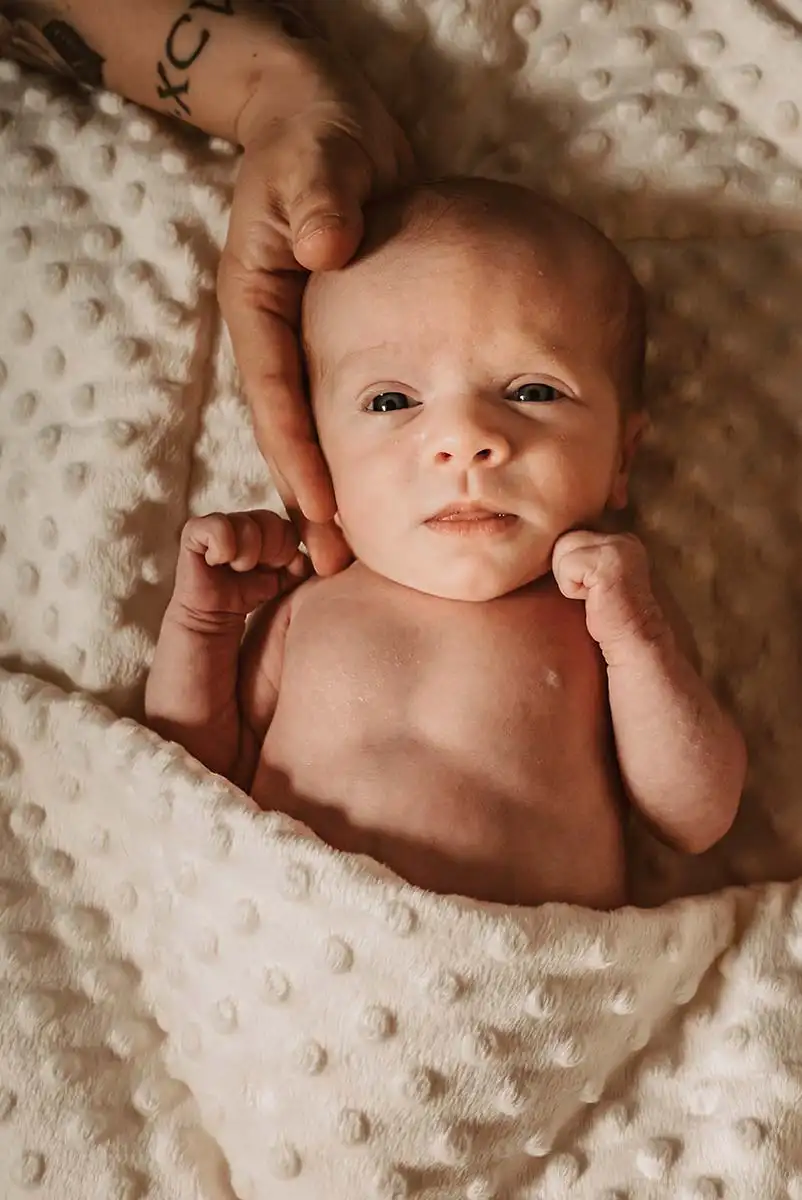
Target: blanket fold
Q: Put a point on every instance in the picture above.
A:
(222, 996)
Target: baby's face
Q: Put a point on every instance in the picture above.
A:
(467, 403)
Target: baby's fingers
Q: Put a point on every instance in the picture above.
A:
(574, 559)
(574, 571)
(248, 535)
(278, 541)
(231, 539)
(213, 537)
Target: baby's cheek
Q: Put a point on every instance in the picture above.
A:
(557, 477)
(360, 509)
(580, 481)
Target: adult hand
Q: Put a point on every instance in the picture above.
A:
(311, 160)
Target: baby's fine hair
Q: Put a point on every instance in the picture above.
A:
(470, 204)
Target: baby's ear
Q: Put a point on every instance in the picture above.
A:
(634, 427)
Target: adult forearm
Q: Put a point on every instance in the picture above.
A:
(199, 60)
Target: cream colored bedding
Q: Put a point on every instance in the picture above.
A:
(196, 1000)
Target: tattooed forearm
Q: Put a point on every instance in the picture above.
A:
(39, 36)
(186, 41)
(198, 60)
(188, 38)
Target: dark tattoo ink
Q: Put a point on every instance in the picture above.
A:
(167, 89)
(183, 64)
(30, 35)
(173, 91)
(188, 38)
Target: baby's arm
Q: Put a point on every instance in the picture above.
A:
(682, 759)
(228, 566)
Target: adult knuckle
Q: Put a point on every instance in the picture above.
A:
(313, 195)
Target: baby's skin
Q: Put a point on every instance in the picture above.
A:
(478, 700)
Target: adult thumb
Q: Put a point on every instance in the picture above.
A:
(325, 213)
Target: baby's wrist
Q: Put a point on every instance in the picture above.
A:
(644, 635)
(184, 617)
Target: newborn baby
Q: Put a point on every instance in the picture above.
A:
(477, 699)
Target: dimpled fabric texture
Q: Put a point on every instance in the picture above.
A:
(198, 1001)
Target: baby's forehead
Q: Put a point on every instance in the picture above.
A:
(523, 249)
(486, 215)
(464, 225)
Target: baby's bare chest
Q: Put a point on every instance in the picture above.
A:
(467, 747)
(460, 677)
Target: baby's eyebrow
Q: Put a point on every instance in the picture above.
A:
(356, 357)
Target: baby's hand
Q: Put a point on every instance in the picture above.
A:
(231, 563)
(610, 572)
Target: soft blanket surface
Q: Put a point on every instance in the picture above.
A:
(196, 1000)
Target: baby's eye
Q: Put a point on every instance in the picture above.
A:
(536, 393)
(389, 402)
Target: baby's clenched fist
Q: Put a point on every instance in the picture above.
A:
(230, 563)
(610, 572)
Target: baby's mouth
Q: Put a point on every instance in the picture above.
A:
(471, 519)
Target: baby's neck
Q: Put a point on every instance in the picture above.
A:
(361, 574)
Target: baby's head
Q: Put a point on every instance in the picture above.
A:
(484, 351)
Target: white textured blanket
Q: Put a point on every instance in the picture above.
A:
(197, 1000)
(195, 994)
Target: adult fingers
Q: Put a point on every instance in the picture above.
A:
(323, 201)
(261, 307)
(327, 548)
(325, 543)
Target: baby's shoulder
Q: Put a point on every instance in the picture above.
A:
(316, 592)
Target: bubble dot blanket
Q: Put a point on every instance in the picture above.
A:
(197, 1000)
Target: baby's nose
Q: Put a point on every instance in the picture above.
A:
(469, 444)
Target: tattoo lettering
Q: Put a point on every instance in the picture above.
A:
(183, 64)
(187, 32)
(173, 91)
(188, 38)
(32, 35)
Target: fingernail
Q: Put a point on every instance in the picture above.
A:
(319, 224)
